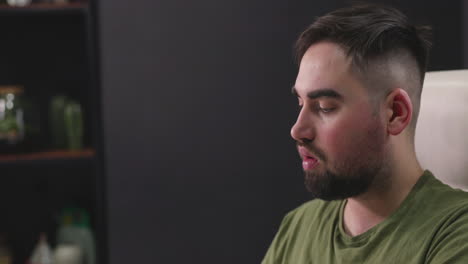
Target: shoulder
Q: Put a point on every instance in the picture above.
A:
(452, 204)
(312, 212)
(448, 243)
(443, 198)
(294, 233)
(445, 211)
(311, 208)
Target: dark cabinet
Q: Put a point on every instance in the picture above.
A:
(50, 50)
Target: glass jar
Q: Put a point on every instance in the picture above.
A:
(19, 121)
(11, 115)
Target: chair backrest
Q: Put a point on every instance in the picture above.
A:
(442, 128)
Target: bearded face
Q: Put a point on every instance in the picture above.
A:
(339, 132)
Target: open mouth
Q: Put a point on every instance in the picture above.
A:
(309, 162)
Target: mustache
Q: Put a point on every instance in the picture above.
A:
(313, 150)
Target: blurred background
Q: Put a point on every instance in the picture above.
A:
(158, 131)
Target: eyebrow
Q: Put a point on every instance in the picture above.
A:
(319, 93)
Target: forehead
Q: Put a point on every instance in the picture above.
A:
(326, 66)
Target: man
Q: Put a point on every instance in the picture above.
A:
(359, 86)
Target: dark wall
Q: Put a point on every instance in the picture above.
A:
(197, 113)
(465, 32)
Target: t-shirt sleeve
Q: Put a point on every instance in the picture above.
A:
(276, 251)
(450, 245)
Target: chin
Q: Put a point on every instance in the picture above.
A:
(331, 186)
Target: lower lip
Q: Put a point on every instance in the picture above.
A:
(309, 164)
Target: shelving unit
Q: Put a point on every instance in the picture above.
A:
(47, 156)
(50, 50)
(45, 7)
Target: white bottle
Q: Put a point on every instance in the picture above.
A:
(19, 2)
(68, 254)
(81, 237)
(75, 230)
(42, 253)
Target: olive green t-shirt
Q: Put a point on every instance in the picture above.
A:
(430, 226)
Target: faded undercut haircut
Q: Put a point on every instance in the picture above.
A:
(385, 50)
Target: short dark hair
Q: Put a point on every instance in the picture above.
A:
(366, 32)
(372, 34)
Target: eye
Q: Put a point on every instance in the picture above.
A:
(325, 110)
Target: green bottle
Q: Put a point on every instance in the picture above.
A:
(57, 121)
(75, 230)
(74, 125)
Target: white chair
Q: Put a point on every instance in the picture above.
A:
(442, 128)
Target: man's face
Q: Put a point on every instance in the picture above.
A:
(340, 133)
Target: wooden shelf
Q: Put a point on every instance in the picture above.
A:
(44, 8)
(54, 155)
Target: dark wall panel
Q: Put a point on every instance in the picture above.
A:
(464, 11)
(197, 113)
(197, 110)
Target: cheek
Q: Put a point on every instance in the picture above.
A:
(351, 134)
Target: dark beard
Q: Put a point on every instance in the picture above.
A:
(329, 186)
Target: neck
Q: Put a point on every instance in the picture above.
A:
(363, 212)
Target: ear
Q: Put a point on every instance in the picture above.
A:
(399, 111)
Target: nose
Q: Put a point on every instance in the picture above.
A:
(303, 130)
